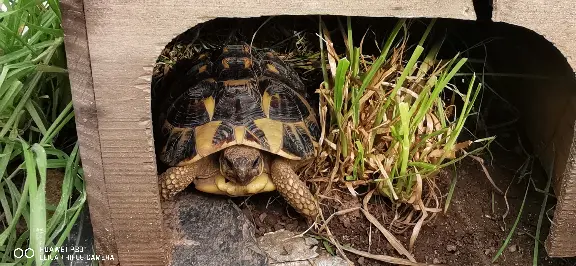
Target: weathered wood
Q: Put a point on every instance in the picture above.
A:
(125, 39)
(555, 21)
(77, 55)
(126, 150)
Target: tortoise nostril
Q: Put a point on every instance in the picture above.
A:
(256, 162)
(228, 163)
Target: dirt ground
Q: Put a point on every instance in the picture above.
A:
(469, 234)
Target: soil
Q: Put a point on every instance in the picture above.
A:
(470, 233)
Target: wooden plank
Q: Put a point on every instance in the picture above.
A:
(561, 241)
(127, 153)
(560, 109)
(80, 73)
(125, 39)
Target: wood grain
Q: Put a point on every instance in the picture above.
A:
(78, 59)
(125, 39)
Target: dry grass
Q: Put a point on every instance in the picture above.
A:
(387, 130)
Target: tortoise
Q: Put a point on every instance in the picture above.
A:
(237, 121)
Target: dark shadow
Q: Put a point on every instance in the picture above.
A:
(483, 9)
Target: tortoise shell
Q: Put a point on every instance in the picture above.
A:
(235, 96)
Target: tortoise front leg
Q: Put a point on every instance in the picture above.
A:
(292, 188)
(176, 179)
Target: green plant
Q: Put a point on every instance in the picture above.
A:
(390, 126)
(36, 133)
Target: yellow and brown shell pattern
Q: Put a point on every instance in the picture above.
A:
(239, 96)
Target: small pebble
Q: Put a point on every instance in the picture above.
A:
(361, 261)
(451, 248)
(513, 248)
(436, 261)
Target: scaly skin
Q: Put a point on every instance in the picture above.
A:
(292, 188)
(176, 179)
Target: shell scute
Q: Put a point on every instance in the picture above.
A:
(239, 96)
(286, 105)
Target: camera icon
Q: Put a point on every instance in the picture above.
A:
(27, 253)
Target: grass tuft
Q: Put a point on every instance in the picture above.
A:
(390, 120)
(37, 135)
(391, 128)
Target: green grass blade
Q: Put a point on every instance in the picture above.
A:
(4, 59)
(513, 229)
(5, 205)
(9, 96)
(50, 69)
(355, 62)
(5, 159)
(382, 58)
(56, 163)
(17, 37)
(341, 73)
(47, 30)
(65, 116)
(3, 75)
(441, 113)
(427, 32)
(430, 59)
(6, 13)
(409, 66)
(423, 165)
(542, 212)
(71, 172)
(56, 153)
(405, 143)
(77, 207)
(7, 257)
(37, 203)
(21, 206)
(16, 112)
(451, 190)
(36, 117)
(358, 170)
(438, 87)
(468, 104)
(53, 4)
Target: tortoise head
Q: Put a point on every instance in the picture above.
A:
(241, 164)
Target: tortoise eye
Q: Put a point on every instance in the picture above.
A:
(256, 162)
